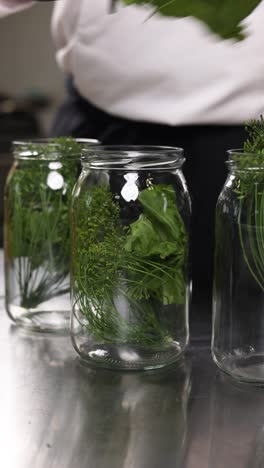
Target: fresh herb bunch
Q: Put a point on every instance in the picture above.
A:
(37, 238)
(61, 147)
(255, 142)
(222, 17)
(250, 192)
(122, 275)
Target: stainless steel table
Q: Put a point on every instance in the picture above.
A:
(55, 413)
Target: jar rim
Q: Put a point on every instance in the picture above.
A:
(34, 149)
(240, 159)
(132, 157)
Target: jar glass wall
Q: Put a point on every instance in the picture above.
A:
(130, 253)
(238, 300)
(37, 233)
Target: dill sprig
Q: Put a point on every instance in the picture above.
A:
(37, 239)
(249, 189)
(255, 142)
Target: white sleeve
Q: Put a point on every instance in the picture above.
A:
(12, 6)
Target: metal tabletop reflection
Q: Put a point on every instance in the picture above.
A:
(55, 413)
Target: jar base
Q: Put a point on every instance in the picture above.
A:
(244, 369)
(42, 321)
(129, 358)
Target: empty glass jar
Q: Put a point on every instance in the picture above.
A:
(37, 233)
(130, 244)
(238, 302)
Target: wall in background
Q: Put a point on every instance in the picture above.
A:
(27, 56)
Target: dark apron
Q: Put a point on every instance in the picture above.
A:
(205, 150)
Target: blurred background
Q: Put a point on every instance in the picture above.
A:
(31, 85)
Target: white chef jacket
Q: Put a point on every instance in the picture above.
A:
(152, 68)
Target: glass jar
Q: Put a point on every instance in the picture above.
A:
(37, 233)
(238, 300)
(130, 243)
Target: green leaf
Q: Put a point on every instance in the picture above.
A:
(145, 240)
(160, 206)
(159, 238)
(173, 290)
(223, 17)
